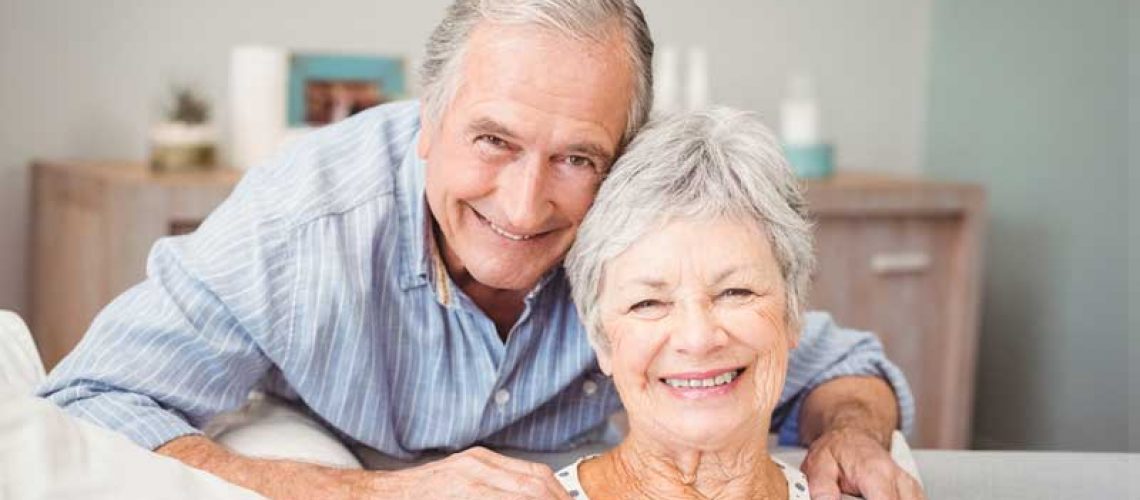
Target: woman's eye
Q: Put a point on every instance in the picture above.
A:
(737, 293)
(645, 304)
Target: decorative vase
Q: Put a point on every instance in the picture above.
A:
(180, 146)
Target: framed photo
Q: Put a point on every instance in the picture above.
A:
(327, 88)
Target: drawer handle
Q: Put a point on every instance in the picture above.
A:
(900, 263)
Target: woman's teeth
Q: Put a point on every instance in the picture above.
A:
(721, 379)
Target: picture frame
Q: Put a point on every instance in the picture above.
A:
(324, 88)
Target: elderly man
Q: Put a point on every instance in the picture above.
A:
(399, 274)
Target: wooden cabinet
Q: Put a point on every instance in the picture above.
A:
(92, 229)
(902, 258)
(898, 257)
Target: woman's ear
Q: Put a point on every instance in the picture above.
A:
(604, 361)
(793, 334)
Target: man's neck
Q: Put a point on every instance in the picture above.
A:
(504, 307)
(647, 468)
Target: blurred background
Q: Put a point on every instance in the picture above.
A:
(1034, 101)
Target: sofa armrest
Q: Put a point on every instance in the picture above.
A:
(20, 365)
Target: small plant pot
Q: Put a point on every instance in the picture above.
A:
(178, 146)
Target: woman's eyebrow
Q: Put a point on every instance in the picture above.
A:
(723, 274)
(650, 282)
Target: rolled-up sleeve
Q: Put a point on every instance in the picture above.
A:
(175, 350)
(825, 352)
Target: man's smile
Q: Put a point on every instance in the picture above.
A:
(505, 233)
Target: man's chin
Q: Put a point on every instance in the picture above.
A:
(506, 279)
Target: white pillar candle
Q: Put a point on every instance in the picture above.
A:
(257, 102)
(697, 88)
(666, 76)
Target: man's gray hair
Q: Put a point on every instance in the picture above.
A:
(703, 165)
(585, 20)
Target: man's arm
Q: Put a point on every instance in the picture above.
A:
(845, 399)
(474, 473)
(862, 404)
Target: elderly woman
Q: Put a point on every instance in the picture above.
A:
(690, 272)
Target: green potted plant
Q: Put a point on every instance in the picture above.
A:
(184, 140)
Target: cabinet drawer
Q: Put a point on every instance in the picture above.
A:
(894, 275)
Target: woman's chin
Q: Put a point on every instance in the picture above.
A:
(712, 433)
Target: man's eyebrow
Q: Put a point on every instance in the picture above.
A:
(489, 126)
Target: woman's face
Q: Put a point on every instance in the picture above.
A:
(695, 317)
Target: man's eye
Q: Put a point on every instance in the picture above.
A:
(492, 141)
(580, 162)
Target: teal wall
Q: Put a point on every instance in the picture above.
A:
(1134, 221)
(1029, 98)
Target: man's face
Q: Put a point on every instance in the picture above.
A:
(515, 160)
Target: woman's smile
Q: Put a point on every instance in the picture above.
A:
(703, 385)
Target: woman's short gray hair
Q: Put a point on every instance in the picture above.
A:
(704, 164)
(578, 19)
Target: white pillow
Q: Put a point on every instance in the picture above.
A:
(20, 366)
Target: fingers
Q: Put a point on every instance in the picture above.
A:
(822, 473)
(510, 475)
(885, 480)
(909, 488)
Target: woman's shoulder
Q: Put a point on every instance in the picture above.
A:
(797, 482)
(568, 478)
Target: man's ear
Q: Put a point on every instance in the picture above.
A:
(427, 133)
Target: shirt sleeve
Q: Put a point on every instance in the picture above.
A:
(827, 351)
(175, 350)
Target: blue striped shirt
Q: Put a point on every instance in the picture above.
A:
(318, 280)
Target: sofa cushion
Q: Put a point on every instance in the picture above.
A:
(20, 366)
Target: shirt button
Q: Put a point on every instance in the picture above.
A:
(589, 387)
(502, 396)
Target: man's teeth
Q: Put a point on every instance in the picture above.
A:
(510, 236)
(504, 233)
(721, 379)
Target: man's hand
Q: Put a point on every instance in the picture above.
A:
(474, 473)
(849, 422)
(853, 462)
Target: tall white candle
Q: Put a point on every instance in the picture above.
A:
(666, 79)
(697, 88)
(257, 102)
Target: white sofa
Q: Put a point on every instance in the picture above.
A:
(46, 454)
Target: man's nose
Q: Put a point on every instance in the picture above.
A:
(698, 332)
(523, 194)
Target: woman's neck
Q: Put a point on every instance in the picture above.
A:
(647, 468)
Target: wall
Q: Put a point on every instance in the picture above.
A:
(1134, 223)
(83, 79)
(1027, 97)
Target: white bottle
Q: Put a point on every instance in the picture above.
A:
(697, 88)
(799, 113)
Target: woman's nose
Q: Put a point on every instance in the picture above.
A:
(698, 332)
